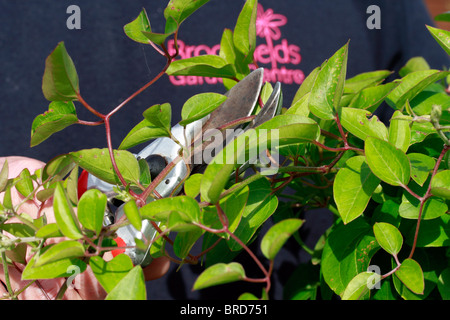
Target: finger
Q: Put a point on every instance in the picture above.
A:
(86, 286)
(15, 166)
(157, 268)
(38, 290)
(3, 291)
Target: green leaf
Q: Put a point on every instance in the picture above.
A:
(261, 204)
(56, 269)
(411, 85)
(388, 237)
(214, 180)
(60, 80)
(362, 124)
(292, 128)
(444, 284)
(199, 106)
(110, 273)
(65, 215)
(158, 38)
(365, 80)
(306, 86)
(192, 185)
(353, 188)
(433, 233)
(180, 10)
(442, 37)
(220, 273)
(184, 242)
(160, 116)
(58, 167)
(61, 250)
(135, 28)
(359, 287)
(4, 176)
(24, 183)
(302, 283)
(347, 252)
(91, 209)
(300, 107)
(130, 287)
(420, 131)
(45, 194)
(423, 103)
(49, 231)
(370, 98)
(413, 65)
(277, 236)
(440, 184)
(145, 177)
(388, 163)
(248, 296)
(399, 132)
(329, 86)
(244, 35)
(433, 207)
(98, 163)
(203, 66)
(59, 116)
(7, 200)
(180, 222)
(144, 131)
(18, 254)
(232, 56)
(443, 17)
(411, 275)
(132, 212)
(18, 229)
(421, 166)
(186, 207)
(232, 205)
(72, 185)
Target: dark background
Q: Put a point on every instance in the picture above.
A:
(111, 67)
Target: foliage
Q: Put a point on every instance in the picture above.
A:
(388, 187)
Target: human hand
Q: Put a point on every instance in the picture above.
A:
(88, 288)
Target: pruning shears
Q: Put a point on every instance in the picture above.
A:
(241, 102)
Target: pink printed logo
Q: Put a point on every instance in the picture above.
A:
(274, 55)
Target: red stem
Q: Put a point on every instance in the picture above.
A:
(425, 198)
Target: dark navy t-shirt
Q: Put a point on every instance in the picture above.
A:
(293, 37)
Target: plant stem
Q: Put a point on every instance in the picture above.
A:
(425, 198)
(144, 195)
(242, 184)
(91, 123)
(7, 279)
(87, 106)
(252, 255)
(336, 149)
(24, 288)
(415, 195)
(61, 291)
(159, 75)
(111, 152)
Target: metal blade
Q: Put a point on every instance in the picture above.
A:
(241, 102)
(242, 99)
(271, 108)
